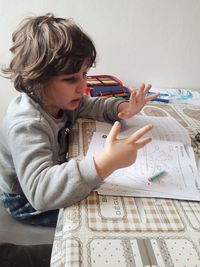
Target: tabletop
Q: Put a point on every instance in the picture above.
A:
(129, 231)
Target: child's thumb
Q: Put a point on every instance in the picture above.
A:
(115, 130)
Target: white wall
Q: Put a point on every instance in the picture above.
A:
(152, 41)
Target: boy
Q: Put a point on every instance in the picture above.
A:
(51, 57)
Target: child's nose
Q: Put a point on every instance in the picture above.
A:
(81, 85)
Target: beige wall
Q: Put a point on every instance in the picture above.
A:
(152, 41)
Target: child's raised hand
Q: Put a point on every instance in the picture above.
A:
(120, 153)
(137, 101)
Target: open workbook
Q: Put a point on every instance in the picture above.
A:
(170, 151)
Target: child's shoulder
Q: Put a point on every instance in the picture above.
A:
(22, 107)
(22, 110)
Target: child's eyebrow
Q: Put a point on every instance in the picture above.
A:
(67, 75)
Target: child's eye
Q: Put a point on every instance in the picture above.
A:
(70, 79)
(74, 79)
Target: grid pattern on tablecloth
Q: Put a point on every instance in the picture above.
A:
(160, 110)
(88, 127)
(74, 149)
(71, 218)
(134, 252)
(160, 216)
(72, 251)
(56, 256)
(192, 213)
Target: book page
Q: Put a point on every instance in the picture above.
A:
(165, 128)
(180, 181)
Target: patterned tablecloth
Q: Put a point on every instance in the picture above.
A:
(126, 231)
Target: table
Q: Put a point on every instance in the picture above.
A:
(126, 231)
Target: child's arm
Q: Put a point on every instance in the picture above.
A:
(137, 101)
(120, 153)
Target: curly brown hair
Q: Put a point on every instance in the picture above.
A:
(46, 46)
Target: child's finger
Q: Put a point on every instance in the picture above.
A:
(147, 88)
(141, 143)
(115, 130)
(141, 93)
(139, 133)
(142, 87)
(132, 98)
(151, 97)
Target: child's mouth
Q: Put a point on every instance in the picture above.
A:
(76, 101)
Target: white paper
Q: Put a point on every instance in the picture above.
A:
(165, 128)
(181, 179)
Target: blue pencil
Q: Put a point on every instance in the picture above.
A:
(161, 100)
(161, 94)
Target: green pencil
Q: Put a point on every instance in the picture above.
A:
(156, 175)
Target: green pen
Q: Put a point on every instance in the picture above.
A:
(156, 175)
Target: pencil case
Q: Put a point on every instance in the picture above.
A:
(106, 86)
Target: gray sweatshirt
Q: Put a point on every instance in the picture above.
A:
(30, 160)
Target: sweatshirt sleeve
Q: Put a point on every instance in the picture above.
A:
(99, 109)
(46, 184)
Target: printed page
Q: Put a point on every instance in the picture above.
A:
(165, 128)
(180, 179)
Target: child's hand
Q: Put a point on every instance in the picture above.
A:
(136, 102)
(120, 153)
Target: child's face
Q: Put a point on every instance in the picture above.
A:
(65, 91)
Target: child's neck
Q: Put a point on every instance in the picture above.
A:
(53, 112)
